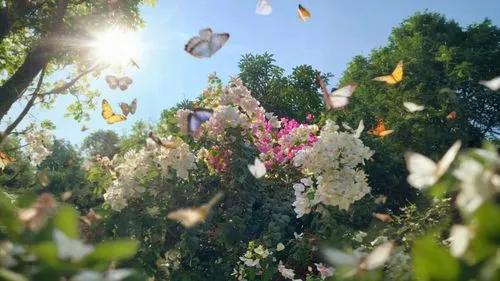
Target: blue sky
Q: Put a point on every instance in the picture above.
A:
(337, 31)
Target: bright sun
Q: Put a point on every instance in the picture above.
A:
(116, 46)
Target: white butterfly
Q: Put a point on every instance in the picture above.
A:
(338, 98)
(459, 239)
(115, 275)
(190, 217)
(413, 107)
(425, 172)
(493, 84)
(263, 8)
(68, 248)
(373, 260)
(206, 44)
(258, 169)
(359, 130)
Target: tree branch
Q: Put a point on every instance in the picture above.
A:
(23, 113)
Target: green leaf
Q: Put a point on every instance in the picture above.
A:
(113, 250)
(66, 220)
(8, 275)
(432, 262)
(8, 218)
(46, 252)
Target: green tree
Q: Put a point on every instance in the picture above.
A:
(136, 139)
(102, 142)
(38, 37)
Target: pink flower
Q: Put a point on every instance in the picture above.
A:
(309, 116)
(324, 271)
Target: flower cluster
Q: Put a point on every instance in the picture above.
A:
(136, 166)
(332, 160)
(38, 140)
(256, 257)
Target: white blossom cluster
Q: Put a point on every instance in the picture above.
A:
(37, 140)
(333, 161)
(137, 164)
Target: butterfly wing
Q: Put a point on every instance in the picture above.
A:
(493, 84)
(339, 258)
(217, 42)
(125, 108)
(326, 95)
(449, 156)
(340, 98)
(421, 168)
(412, 107)
(198, 47)
(5, 160)
(304, 14)
(397, 73)
(378, 257)
(108, 114)
(133, 106)
(124, 82)
(258, 169)
(387, 79)
(188, 217)
(451, 116)
(112, 81)
(263, 8)
(378, 129)
(205, 33)
(197, 118)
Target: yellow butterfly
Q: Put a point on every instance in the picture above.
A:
(304, 14)
(4, 160)
(122, 82)
(190, 217)
(395, 77)
(128, 108)
(108, 114)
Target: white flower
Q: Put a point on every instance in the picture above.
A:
(38, 140)
(324, 271)
(285, 272)
(280, 247)
(359, 236)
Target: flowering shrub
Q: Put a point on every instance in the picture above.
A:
(38, 142)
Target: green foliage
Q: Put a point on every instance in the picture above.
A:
(102, 142)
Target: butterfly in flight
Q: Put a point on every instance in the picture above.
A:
(379, 129)
(263, 8)
(339, 97)
(4, 160)
(493, 84)
(452, 116)
(197, 118)
(413, 107)
(133, 63)
(84, 128)
(123, 82)
(44, 179)
(206, 44)
(190, 217)
(165, 144)
(128, 108)
(108, 114)
(258, 169)
(425, 172)
(304, 14)
(395, 77)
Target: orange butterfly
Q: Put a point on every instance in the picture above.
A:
(165, 144)
(5, 160)
(379, 129)
(451, 116)
(304, 14)
(395, 77)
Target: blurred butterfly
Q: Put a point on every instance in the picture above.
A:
(206, 44)
(71, 249)
(493, 84)
(425, 172)
(393, 78)
(128, 108)
(381, 199)
(109, 275)
(108, 114)
(382, 217)
(133, 63)
(263, 8)
(451, 116)
(44, 179)
(198, 117)
(84, 128)
(304, 14)
(338, 98)
(91, 217)
(258, 169)
(413, 107)
(379, 129)
(359, 130)
(376, 259)
(122, 82)
(190, 217)
(4, 160)
(165, 144)
(66, 195)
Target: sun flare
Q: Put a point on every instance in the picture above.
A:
(116, 46)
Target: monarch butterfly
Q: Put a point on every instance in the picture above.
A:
(263, 8)
(379, 129)
(108, 114)
(128, 108)
(393, 78)
(4, 160)
(206, 44)
(338, 98)
(413, 107)
(190, 217)
(122, 82)
(158, 141)
(198, 117)
(425, 172)
(493, 84)
(451, 116)
(304, 14)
